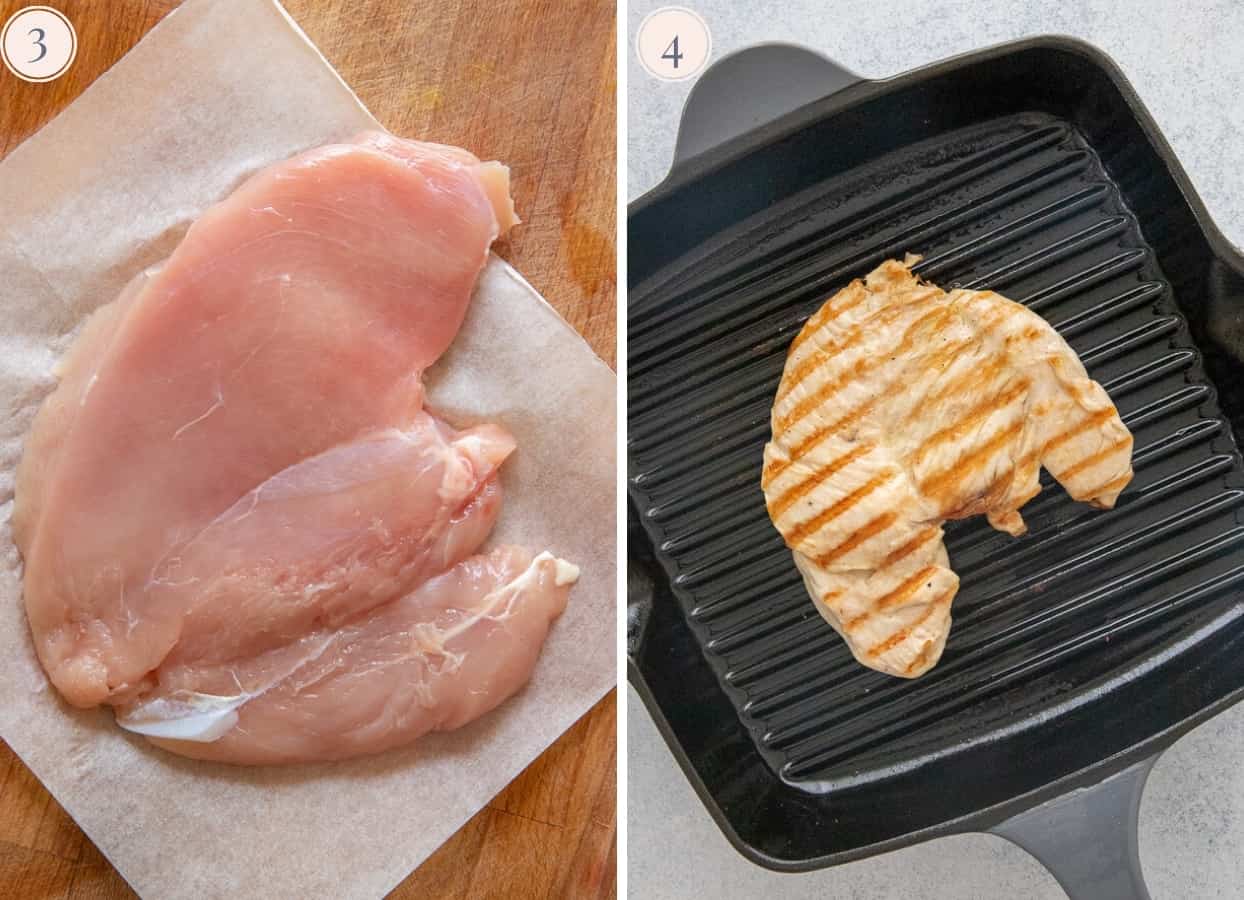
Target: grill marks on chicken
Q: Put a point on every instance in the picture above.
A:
(902, 406)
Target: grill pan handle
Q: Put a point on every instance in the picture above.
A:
(1087, 838)
(752, 87)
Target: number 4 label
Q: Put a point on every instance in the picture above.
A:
(671, 52)
(673, 43)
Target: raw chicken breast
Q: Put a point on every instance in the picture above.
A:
(902, 406)
(435, 659)
(237, 460)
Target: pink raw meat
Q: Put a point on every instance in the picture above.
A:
(236, 473)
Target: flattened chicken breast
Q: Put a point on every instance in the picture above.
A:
(902, 406)
(241, 528)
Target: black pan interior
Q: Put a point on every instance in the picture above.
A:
(1031, 172)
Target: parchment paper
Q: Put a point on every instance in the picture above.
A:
(216, 91)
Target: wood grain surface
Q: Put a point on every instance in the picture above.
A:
(528, 82)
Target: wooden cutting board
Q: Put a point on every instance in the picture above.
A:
(529, 82)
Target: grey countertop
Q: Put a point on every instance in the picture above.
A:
(1185, 61)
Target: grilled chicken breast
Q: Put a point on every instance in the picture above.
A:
(902, 406)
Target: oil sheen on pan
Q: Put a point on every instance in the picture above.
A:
(902, 406)
(240, 526)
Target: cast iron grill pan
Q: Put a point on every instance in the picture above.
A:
(1021, 198)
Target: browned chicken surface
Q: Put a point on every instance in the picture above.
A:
(902, 406)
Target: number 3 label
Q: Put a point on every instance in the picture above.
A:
(673, 43)
(38, 43)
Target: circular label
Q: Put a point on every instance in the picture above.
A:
(38, 43)
(673, 43)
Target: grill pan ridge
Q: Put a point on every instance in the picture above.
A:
(1045, 197)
